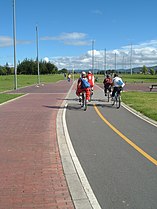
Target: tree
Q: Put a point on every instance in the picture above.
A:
(144, 69)
(31, 67)
(64, 70)
(152, 71)
(8, 69)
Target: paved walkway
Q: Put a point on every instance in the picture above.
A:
(31, 172)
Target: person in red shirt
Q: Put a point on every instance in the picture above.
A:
(107, 84)
(90, 78)
(80, 87)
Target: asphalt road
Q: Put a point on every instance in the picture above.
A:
(118, 158)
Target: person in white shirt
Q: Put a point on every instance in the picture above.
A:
(117, 84)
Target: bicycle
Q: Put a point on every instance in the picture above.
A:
(84, 101)
(108, 93)
(117, 98)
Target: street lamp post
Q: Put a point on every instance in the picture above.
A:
(14, 36)
(105, 61)
(131, 59)
(115, 63)
(93, 56)
(37, 55)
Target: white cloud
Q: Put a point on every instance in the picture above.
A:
(142, 54)
(74, 39)
(6, 41)
(97, 12)
(46, 59)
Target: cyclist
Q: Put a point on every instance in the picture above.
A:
(117, 84)
(107, 84)
(83, 85)
(90, 78)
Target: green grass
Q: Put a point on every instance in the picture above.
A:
(146, 103)
(7, 82)
(135, 78)
(6, 97)
(143, 102)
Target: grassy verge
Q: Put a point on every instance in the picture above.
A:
(7, 82)
(6, 97)
(135, 78)
(143, 102)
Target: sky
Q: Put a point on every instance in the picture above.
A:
(121, 33)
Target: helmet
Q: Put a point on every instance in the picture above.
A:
(115, 75)
(83, 74)
(89, 72)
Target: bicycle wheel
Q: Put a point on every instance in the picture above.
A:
(108, 96)
(91, 95)
(118, 101)
(84, 102)
(113, 101)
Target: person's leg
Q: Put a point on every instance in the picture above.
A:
(114, 91)
(88, 94)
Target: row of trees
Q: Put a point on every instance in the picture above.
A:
(146, 70)
(6, 70)
(30, 67)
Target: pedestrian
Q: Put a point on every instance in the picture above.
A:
(69, 77)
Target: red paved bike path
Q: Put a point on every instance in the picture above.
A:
(31, 173)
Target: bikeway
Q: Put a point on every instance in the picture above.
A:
(117, 151)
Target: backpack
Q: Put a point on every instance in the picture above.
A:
(120, 83)
(84, 83)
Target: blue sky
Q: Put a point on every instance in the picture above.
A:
(125, 28)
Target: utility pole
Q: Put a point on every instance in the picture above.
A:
(37, 55)
(115, 62)
(105, 61)
(93, 57)
(14, 36)
(131, 59)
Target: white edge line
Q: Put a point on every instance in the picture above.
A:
(80, 173)
(79, 168)
(11, 100)
(138, 114)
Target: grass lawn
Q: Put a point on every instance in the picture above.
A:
(135, 78)
(6, 97)
(7, 82)
(143, 102)
(146, 103)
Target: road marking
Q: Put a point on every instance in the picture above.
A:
(151, 159)
(82, 196)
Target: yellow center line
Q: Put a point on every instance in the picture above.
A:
(125, 138)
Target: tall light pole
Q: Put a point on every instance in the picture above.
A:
(14, 37)
(93, 56)
(115, 62)
(37, 55)
(105, 61)
(131, 59)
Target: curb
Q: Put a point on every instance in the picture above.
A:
(80, 190)
(140, 115)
